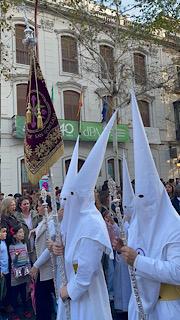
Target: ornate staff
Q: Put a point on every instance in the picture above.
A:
(45, 205)
(111, 193)
(116, 201)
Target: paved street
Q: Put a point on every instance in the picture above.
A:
(117, 315)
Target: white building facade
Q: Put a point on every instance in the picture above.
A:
(67, 82)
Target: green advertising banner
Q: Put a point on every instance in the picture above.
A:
(90, 131)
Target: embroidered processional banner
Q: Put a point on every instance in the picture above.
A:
(43, 144)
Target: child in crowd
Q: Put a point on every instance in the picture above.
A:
(19, 271)
(4, 270)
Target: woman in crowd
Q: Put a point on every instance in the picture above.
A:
(8, 219)
(170, 189)
(44, 284)
(29, 220)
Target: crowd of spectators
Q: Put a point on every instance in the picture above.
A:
(23, 227)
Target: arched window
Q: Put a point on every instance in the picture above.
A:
(71, 105)
(25, 183)
(80, 164)
(144, 110)
(139, 68)
(22, 51)
(69, 54)
(107, 63)
(21, 99)
(107, 102)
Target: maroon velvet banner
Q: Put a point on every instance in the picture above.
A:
(42, 146)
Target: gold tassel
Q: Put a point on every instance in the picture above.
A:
(39, 120)
(28, 114)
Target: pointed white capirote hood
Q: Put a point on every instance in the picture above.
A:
(67, 188)
(147, 181)
(149, 190)
(72, 172)
(127, 191)
(84, 220)
(155, 223)
(87, 177)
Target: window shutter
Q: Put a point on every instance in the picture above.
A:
(69, 54)
(139, 68)
(107, 53)
(22, 52)
(144, 111)
(71, 105)
(21, 99)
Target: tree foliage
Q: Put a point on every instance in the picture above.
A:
(159, 14)
(4, 7)
(92, 21)
(5, 26)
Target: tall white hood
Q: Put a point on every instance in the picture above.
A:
(84, 220)
(156, 222)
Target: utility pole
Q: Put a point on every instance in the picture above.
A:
(115, 100)
(115, 147)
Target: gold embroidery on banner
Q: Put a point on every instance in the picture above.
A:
(43, 149)
(28, 150)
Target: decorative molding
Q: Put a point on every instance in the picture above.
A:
(146, 97)
(20, 76)
(47, 25)
(66, 32)
(141, 50)
(21, 20)
(105, 42)
(71, 85)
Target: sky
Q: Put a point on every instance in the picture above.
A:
(130, 3)
(126, 2)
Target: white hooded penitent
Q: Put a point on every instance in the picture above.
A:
(155, 221)
(84, 220)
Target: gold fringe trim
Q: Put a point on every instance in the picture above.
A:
(39, 120)
(34, 178)
(28, 114)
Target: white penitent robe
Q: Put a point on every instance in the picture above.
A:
(153, 271)
(87, 288)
